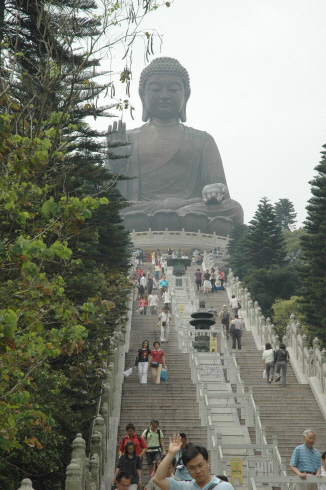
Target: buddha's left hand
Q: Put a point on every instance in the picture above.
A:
(213, 193)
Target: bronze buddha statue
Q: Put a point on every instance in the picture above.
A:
(175, 173)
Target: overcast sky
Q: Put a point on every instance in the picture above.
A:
(258, 81)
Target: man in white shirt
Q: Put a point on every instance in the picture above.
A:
(167, 298)
(165, 320)
(234, 305)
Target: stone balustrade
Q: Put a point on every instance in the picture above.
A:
(308, 362)
(184, 239)
(184, 303)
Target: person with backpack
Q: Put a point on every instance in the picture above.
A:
(181, 471)
(236, 332)
(155, 444)
(130, 463)
(282, 358)
(139, 441)
(225, 320)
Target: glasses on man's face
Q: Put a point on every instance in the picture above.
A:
(193, 469)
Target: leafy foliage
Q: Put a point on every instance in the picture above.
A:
(282, 310)
(285, 213)
(63, 250)
(293, 245)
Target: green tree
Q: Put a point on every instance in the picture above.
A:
(293, 245)
(236, 251)
(267, 285)
(313, 244)
(282, 310)
(264, 239)
(63, 251)
(258, 256)
(285, 213)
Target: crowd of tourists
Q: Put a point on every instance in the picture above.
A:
(184, 465)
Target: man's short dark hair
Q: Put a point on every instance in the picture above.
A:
(183, 435)
(323, 456)
(155, 421)
(130, 426)
(236, 316)
(123, 474)
(268, 346)
(191, 451)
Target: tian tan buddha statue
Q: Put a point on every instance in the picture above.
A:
(175, 173)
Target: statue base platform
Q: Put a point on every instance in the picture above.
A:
(186, 240)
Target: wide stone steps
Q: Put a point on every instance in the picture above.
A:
(173, 403)
(285, 412)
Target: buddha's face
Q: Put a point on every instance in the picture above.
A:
(164, 96)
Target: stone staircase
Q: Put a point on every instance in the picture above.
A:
(172, 403)
(285, 412)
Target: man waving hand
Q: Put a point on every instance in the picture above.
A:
(195, 458)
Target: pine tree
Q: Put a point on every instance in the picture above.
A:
(267, 274)
(264, 240)
(236, 251)
(314, 253)
(57, 194)
(285, 213)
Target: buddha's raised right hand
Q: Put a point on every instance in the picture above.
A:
(118, 145)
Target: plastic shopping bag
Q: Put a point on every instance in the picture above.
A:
(127, 372)
(264, 374)
(164, 375)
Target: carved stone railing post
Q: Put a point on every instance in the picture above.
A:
(73, 476)
(311, 363)
(323, 361)
(104, 411)
(304, 342)
(26, 484)
(94, 470)
(79, 453)
(95, 449)
(297, 334)
(99, 426)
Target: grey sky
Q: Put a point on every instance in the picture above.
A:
(258, 77)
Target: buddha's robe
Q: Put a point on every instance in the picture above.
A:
(178, 183)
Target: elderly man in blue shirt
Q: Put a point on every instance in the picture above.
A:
(195, 458)
(306, 461)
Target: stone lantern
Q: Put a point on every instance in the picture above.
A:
(179, 265)
(203, 320)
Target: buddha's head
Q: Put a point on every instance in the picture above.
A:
(164, 89)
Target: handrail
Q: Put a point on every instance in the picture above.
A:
(308, 361)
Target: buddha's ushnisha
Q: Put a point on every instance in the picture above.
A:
(177, 177)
